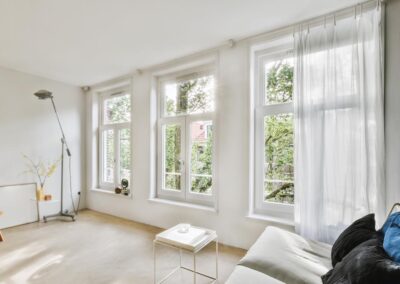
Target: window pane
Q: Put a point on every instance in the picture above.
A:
(108, 156)
(188, 97)
(171, 101)
(125, 154)
(278, 139)
(279, 81)
(201, 134)
(172, 156)
(117, 109)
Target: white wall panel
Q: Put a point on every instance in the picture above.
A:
(18, 204)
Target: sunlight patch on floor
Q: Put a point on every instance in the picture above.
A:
(12, 259)
(37, 269)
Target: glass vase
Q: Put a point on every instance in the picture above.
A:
(40, 193)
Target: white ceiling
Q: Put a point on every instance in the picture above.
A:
(83, 42)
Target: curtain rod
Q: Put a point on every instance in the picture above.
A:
(335, 15)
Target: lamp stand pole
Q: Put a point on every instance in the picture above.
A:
(61, 213)
(64, 146)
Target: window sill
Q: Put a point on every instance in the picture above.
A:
(272, 219)
(111, 193)
(183, 204)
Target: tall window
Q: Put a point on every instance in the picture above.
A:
(274, 138)
(185, 137)
(115, 138)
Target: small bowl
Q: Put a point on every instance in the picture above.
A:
(184, 228)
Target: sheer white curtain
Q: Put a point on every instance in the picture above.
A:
(339, 124)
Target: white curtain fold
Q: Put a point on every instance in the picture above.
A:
(339, 144)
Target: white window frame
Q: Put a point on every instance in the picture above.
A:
(184, 120)
(260, 58)
(116, 127)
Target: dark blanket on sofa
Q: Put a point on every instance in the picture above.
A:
(367, 263)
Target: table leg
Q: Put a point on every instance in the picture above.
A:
(180, 257)
(1, 237)
(216, 259)
(194, 268)
(154, 259)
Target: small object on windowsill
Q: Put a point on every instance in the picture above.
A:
(48, 197)
(125, 184)
(118, 190)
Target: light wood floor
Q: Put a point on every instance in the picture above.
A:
(97, 248)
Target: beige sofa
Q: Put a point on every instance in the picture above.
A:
(279, 256)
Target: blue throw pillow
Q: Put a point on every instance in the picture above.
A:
(389, 222)
(391, 241)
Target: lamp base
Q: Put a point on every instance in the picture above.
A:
(59, 215)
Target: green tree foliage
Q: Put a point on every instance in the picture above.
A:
(278, 131)
(118, 110)
(201, 164)
(172, 155)
(193, 96)
(109, 152)
(279, 83)
(125, 153)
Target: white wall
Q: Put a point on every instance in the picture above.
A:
(28, 126)
(392, 101)
(231, 223)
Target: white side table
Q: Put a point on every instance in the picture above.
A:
(176, 244)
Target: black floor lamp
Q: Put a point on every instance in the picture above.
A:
(43, 95)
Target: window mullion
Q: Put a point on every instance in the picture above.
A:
(116, 156)
(259, 155)
(101, 158)
(186, 152)
(277, 108)
(261, 82)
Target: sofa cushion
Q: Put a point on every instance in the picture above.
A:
(360, 231)
(243, 274)
(288, 257)
(366, 264)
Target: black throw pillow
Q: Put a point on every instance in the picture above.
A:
(360, 231)
(366, 264)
